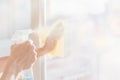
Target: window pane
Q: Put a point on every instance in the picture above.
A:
(91, 37)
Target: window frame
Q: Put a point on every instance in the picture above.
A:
(38, 20)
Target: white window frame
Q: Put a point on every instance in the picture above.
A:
(38, 20)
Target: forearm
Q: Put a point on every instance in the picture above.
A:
(11, 71)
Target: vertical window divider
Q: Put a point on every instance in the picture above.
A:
(38, 20)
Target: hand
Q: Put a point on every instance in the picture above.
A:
(51, 39)
(23, 54)
(22, 57)
(54, 36)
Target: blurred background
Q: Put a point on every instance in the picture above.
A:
(92, 36)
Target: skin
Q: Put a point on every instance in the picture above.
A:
(24, 55)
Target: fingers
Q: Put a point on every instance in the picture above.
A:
(29, 61)
(28, 45)
(31, 49)
(23, 49)
(25, 53)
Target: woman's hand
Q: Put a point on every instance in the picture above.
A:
(22, 57)
(52, 38)
(23, 54)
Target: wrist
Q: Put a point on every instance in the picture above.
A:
(13, 64)
(12, 69)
